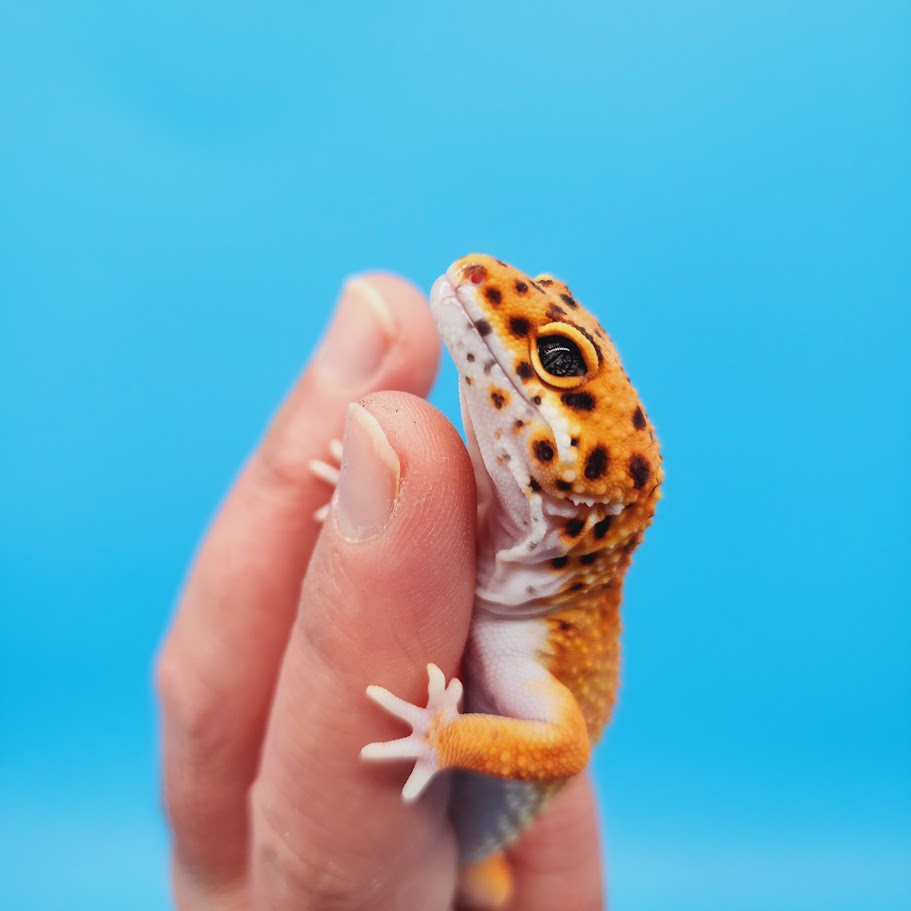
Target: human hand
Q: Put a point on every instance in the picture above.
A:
(283, 624)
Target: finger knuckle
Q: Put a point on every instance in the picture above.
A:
(190, 709)
(282, 460)
(315, 879)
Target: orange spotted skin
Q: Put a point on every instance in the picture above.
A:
(585, 653)
(569, 475)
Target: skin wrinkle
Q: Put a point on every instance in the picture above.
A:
(326, 884)
(413, 589)
(332, 640)
(206, 734)
(336, 583)
(330, 825)
(330, 590)
(296, 858)
(334, 728)
(191, 818)
(284, 456)
(192, 702)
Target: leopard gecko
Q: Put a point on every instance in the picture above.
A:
(568, 475)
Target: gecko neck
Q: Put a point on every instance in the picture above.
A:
(530, 567)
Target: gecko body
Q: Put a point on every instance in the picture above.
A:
(568, 475)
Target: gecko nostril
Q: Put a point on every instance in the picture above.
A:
(475, 273)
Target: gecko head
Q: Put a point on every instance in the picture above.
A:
(543, 387)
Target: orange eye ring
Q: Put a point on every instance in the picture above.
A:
(562, 356)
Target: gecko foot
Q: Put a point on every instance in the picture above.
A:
(328, 472)
(442, 705)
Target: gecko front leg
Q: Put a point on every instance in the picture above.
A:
(442, 708)
(550, 746)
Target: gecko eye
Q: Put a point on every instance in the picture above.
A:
(560, 356)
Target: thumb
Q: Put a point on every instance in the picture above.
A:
(389, 588)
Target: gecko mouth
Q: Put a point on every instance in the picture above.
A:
(467, 334)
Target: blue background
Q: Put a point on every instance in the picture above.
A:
(184, 186)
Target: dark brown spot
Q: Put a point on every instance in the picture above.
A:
(470, 358)
(534, 485)
(521, 286)
(498, 399)
(559, 562)
(565, 626)
(595, 345)
(574, 527)
(596, 463)
(468, 380)
(483, 327)
(574, 441)
(544, 450)
(588, 559)
(578, 401)
(493, 295)
(564, 485)
(576, 587)
(600, 528)
(519, 424)
(569, 300)
(555, 312)
(638, 419)
(639, 469)
(537, 399)
(545, 281)
(475, 273)
(524, 370)
(519, 326)
(505, 265)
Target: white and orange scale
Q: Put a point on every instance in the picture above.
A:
(568, 475)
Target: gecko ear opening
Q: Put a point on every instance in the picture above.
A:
(562, 356)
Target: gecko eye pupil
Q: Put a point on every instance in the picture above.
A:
(560, 356)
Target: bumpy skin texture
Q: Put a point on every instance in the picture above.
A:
(569, 473)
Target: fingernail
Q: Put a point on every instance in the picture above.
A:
(359, 335)
(369, 481)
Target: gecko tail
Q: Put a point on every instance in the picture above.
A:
(486, 885)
